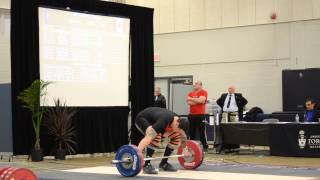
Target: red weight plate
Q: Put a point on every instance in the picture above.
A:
(201, 159)
(6, 173)
(2, 171)
(197, 155)
(140, 155)
(21, 174)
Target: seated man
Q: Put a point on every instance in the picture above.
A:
(311, 114)
(156, 123)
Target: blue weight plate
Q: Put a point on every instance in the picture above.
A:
(132, 168)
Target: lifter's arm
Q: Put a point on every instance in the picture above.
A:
(184, 138)
(150, 135)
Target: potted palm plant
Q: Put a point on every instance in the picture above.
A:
(31, 98)
(59, 123)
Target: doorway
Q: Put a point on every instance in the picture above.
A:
(175, 90)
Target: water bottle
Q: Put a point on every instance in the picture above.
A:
(227, 117)
(211, 119)
(218, 119)
(297, 118)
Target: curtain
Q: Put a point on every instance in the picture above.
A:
(99, 129)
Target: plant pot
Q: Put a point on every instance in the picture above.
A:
(60, 154)
(36, 155)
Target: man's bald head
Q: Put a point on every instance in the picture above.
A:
(157, 91)
(232, 89)
(197, 85)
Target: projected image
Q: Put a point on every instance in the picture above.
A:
(86, 57)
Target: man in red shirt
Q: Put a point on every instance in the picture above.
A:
(197, 101)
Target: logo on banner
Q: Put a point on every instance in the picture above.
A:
(302, 139)
(313, 141)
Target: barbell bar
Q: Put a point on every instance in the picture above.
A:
(128, 160)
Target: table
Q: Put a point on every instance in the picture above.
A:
(295, 139)
(245, 133)
(284, 139)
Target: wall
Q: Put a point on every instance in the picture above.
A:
(5, 4)
(225, 42)
(5, 84)
(251, 58)
(5, 66)
(188, 15)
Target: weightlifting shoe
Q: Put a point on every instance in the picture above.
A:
(167, 167)
(149, 169)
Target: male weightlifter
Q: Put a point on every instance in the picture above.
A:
(156, 123)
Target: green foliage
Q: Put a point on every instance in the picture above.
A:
(31, 99)
(59, 122)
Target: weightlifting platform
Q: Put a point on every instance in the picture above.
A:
(208, 170)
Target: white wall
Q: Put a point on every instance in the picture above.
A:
(188, 15)
(5, 65)
(5, 4)
(252, 58)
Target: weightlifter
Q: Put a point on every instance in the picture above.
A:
(156, 123)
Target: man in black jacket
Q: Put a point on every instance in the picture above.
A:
(159, 99)
(232, 105)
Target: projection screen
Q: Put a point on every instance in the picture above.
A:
(85, 57)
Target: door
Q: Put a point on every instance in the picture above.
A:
(179, 94)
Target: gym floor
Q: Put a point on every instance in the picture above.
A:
(246, 165)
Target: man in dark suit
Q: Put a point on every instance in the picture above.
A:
(232, 105)
(311, 114)
(159, 99)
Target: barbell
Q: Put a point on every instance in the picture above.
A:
(129, 159)
(10, 173)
